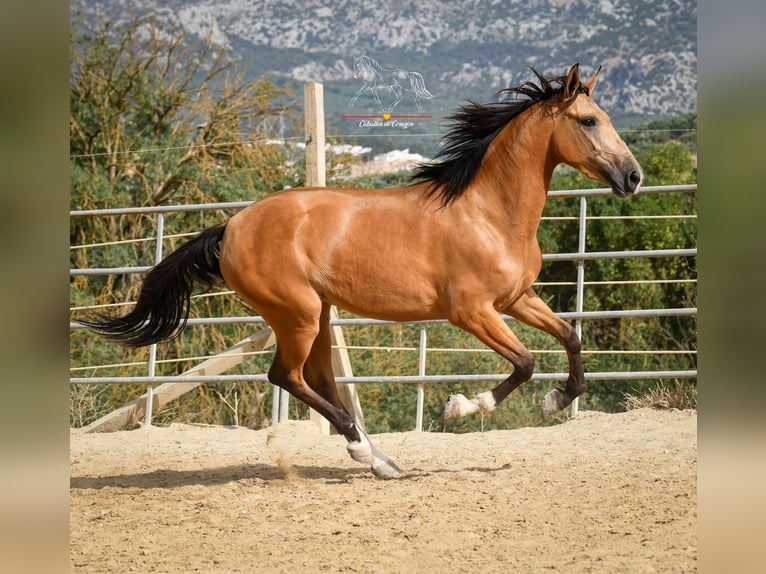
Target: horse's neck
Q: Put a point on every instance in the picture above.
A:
(374, 67)
(515, 174)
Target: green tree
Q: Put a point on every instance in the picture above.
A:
(681, 129)
(158, 119)
(154, 118)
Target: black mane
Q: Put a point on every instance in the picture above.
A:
(472, 129)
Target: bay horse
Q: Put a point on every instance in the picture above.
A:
(459, 244)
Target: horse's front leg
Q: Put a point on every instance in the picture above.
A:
(357, 94)
(487, 326)
(533, 311)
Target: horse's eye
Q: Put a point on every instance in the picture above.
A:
(588, 122)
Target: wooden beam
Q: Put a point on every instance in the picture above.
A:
(313, 113)
(341, 365)
(163, 394)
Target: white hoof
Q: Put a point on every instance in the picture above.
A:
(551, 403)
(360, 450)
(457, 407)
(384, 467)
(485, 401)
(381, 466)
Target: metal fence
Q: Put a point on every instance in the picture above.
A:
(421, 378)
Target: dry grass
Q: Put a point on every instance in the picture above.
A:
(677, 395)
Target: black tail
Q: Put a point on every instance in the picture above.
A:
(163, 304)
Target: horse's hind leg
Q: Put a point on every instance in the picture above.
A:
(318, 371)
(533, 311)
(303, 366)
(396, 90)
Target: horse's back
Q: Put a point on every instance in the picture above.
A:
(364, 250)
(327, 212)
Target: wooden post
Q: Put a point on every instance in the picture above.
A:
(342, 366)
(313, 113)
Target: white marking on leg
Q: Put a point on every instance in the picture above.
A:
(458, 406)
(384, 467)
(363, 451)
(485, 401)
(360, 450)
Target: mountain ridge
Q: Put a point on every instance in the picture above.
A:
(466, 49)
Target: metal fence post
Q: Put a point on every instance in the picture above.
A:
(153, 348)
(274, 404)
(580, 280)
(421, 373)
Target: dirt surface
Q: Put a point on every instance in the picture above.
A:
(600, 493)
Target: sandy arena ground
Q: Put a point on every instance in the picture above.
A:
(600, 493)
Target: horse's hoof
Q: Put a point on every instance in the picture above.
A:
(385, 467)
(457, 407)
(551, 403)
(485, 401)
(363, 451)
(360, 451)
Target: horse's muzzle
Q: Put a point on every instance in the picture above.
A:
(629, 181)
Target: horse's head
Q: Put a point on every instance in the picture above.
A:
(585, 139)
(361, 65)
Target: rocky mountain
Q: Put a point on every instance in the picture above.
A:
(463, 49)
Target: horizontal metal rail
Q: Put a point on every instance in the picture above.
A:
(599, 376)
(159, 209)
(402, 349)
(361, 321)
(593, 255)
(568, 193)
(563, 193)
(110, 270)
(586, 256)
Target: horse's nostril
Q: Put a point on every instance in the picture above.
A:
(634, 178)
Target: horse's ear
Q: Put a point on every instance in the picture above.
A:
(590, 84)
(572, 83)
